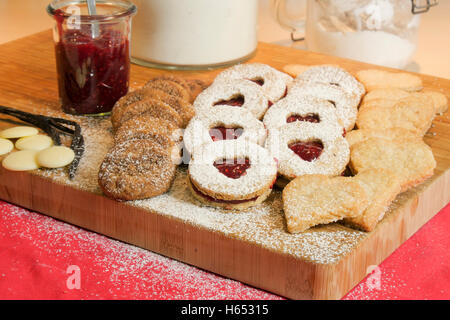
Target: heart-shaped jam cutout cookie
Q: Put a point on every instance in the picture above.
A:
(233, 169)
(258, 81)
(222, 133)
(237, 101)
(308, 151)
(310, 117)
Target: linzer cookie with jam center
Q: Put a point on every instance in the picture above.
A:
(335, 76)
(302, 108)
(235, 94)
(232, 174)
(346, 104)
(273, 82)
(305, 148)
(222, 124)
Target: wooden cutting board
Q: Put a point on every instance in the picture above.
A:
(252, 247)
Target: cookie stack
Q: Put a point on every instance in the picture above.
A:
(387, 156)
(229, 167)
(145, 122)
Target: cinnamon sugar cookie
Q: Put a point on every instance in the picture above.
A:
(149, 106)
(222, 124)
(196, 86)
(304, 148)
(147, 127)
(184, 108)
(381, 187)
(232, 174)
(170, 87)
(346, 105)
(378, 79)
(412, 161)
(399, 134)
(334, 76)
(234, 93)
(311, 200)
(136, 169)
(413, 115)
(273, 82)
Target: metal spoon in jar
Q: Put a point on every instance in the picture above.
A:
(92, 10)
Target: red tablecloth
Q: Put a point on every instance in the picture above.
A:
(42, 258)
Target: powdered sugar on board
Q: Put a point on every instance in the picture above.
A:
(263, 225)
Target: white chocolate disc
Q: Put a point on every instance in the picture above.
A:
(5, 146)
(55, 157)
(21, 161)
(38, 142)
(18, 132)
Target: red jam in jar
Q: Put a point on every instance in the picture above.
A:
(92, 54)
(93, 73)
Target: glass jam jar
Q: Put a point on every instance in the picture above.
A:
(92, 54)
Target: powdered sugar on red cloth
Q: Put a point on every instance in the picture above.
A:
(38, 256)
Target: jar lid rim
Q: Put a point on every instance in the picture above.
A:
(125, 8)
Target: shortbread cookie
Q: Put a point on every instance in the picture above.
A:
(55, 157)
(311, 200)
(234, 93)
(439, 99)
(184, 108)
(385, 93)
(136, 169)
(413, 115)
(6, 146)
(305, 148)
(149, 106)
(378, 79)
(273, 82)
(147, 127)
(18, 132)
(222, 124)
(23, 160)
(37, 142)
(381, 187)
(232, 174)
(398, 134)
(170, 87)
(334, 76)
(303, 108)
(346, 105)
(412, 161)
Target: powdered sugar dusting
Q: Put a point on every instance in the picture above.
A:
(263, 225)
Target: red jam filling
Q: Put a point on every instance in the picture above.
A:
(93, 73)
(209, 198)
(308, 151)
(234, 102)
(310, 117)
(258, 81)
(222, 133)
(233, 169)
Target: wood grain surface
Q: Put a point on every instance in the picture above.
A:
(28, 82)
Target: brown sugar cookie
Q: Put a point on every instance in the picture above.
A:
(412, 161)
(196, 86)
(381, 186)
(377, 79)
(146, 127)
(311, 200)
(413, 115)
(170, 87)
(136, 169)
(399, 134)
(184, 108)
(149, 106)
